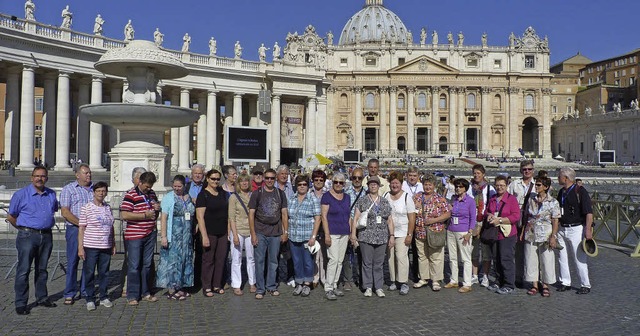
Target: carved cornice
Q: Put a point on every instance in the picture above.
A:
(513, 90)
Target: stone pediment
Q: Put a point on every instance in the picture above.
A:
(422, 64)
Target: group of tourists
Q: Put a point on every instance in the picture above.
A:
(341, 230)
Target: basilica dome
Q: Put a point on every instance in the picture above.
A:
(373, 24)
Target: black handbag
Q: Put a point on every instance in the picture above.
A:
(489, 234)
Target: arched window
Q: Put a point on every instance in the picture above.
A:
(443, 145)
(344, 100)
(401, 101)
(370, 101)
(497, 102)
(497, 138)
(529, 102)
(471, 101)
(402, 143)
(443, 101)
(422, 101)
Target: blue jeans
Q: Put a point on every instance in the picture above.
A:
(32, 246)
(139, 258)
(102, 259)
(303, 263)
(266, 245)
(71, 284)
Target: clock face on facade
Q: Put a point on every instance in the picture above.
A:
(529, 43)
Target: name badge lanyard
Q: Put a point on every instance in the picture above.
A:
(563, 199)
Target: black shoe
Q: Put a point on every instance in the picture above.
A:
(22, 310)
(563, 288)
(47, 303)
(583, 290)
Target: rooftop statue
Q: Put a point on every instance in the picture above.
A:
(434, 38)
(158, 37)
(460, 39)
(450, 38)
(97, 26)
(29, 10)
(484, 40)
(423, 36)
(329, 38)
(237, 50)
(262, 53)
(276, 51)
(213, 46)
(67, 18)
(129, 32)
(186, 42)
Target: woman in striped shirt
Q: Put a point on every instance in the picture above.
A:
(96, 244)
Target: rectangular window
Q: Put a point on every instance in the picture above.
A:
(616, 82)
(472, 119)
(497, 64)
(400, 118)
(631, 81)
(343, 62)
(581, 147)
(443, 119)
(633, 71)
(370, 62)
(472, 63)
(443, 61)
(529, 61)
(554, 109)
(401, 61)
(624, 72)
(616, 74)
(38, 142)
(39, 103)
(371, 119)
(38, 128)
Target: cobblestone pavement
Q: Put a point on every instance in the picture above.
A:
(612, 308)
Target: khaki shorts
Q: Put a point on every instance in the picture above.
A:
(479, 247)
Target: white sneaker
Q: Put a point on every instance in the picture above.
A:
(291, 283)
(474, 279)
(91, 306)
(484, 282)
(380, 293)
(368, 292)
(107, 303)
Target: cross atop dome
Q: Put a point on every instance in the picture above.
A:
(373, 3)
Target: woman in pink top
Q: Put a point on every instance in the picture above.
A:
(96, 244)
(503, 212)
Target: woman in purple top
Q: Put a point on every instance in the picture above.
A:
(336, 211)
(459, 234)
(503, 211)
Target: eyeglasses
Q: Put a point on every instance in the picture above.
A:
(538, 184)
(318, 180)
(460, 186)
(501, 185)
(527, 169)
(338, 182)
(357, 178)
(302, 184)
(214, 179)
(269, 178)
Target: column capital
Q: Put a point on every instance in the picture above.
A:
(212, 92)
(29, 67)
(384, 89)
(513, 90)
(312, 99)
(332, 89)
(63, 73)
(462, 89)
(411, 89)
(357, 89)
(486, 90)
(238, 94)
(275, 96)
(98, 78)
(453, 89)
(393, 89)
(435, 89)
(184, 90)
(546, 91)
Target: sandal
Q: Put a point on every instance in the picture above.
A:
(207, 293)
(435, 286)
(132, 302)
(150, 298)
(546, 292)
(237, 291)
(259, 296)
(218, 290)
(68, 301)
(534, 290)
(185, 294)
(274, 293)
(176, 297)
(253, 289)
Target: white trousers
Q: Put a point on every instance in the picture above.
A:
(571, 239)
(236, 262)
(539, 263)
(455, 247)
(335, 253)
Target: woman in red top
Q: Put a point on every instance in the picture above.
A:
(503, 212)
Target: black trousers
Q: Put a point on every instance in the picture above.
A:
(504, 260)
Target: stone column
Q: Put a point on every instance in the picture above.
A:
(184, 138)
(411, 117)
(49, 119)
(275, 130)
(321, 134)
(358, 131)
(212, 130)
(545, 142)
(175, 135)
(12, 115)
(27, 116)
(95, 129)
(311, 123)
(237, 109)
(485, 115)
(393, 118)
(453, 120)
(201, 152)
(513, 142)
(435, 119)
(384, 127)
(62, 123)
(82, 123)
(228, 110)
(330, 134)
(461, 118)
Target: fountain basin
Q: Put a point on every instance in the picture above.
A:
(141, 117)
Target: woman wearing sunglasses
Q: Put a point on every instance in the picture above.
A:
(335, 222)
(460, 235)
(540, 238)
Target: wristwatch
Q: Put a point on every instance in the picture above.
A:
(500, 220)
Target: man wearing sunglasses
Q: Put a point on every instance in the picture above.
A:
(523, 189)
(350, 264)
(258, 178)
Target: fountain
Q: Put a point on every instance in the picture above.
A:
(141, 118)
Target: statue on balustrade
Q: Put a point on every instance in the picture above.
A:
(423, 36)
(329, 38)
(97, 26)
(67, 18)
(186, 42)
(237, 49)
(460, 39)
(618, 107)
(213, 46)
(512, 40)
(29, 10)
(276, 51)
(434, 38)
(158, 37)
(599, 141)
(129, 32)
(587, 111)
(262, 53)
(602, 109)
(450, 38)
(409, 37)
(577, 115)
(484, 40)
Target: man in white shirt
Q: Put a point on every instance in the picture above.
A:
(523, 189)
(412, 184)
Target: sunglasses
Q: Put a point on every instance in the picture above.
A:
(214, 179)
(302, 184)
(338, 182)
(538, 184)
(269, 178)
(357, 178)
(527, 169)
(257, 173)
(318, 180)
(460, 186)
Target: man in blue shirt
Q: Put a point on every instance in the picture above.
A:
(72, 198)
(31, 211)
(197, 181)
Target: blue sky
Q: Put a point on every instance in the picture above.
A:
(597, 29)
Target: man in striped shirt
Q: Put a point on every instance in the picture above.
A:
(72, 198)
(140, 208)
